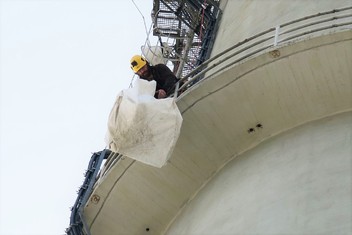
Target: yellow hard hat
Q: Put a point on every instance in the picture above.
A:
(137, 62)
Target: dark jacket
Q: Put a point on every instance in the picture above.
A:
(164, 77)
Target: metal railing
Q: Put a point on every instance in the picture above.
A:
(78, 225)
(186, 31)
(299, 29)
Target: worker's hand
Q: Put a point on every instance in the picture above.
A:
(161, 94)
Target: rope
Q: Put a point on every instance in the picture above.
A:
(202, 21)
(145, 25)
(147, 42)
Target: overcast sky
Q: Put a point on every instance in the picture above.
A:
(62, 64)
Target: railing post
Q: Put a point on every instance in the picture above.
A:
(183, 60)
(276, 38)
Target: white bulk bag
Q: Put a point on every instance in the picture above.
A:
(142, 127)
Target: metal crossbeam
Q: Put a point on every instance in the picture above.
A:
(192, 25)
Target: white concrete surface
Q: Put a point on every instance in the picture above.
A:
(299, 182)
(307, 82)
(242, 19)
(296, 183)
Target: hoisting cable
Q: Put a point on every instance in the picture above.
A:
(146, 31)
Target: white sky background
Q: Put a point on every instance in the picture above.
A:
(62, 64)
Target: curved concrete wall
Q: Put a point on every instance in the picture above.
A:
(295, 183)
(298, 182)
(242, 19)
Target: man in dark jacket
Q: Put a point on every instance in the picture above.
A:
(165, 79)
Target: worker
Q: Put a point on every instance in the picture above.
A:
(165, 79)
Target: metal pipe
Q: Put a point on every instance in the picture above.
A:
(182, 62)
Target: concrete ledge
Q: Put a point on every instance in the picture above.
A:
(224, 116)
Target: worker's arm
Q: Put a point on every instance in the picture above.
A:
(169, 79)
